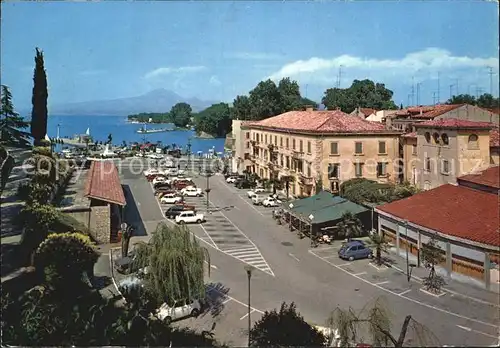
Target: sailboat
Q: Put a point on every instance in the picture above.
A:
(87, 132)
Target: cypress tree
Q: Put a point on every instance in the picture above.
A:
(39, 112)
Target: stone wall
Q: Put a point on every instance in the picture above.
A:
(100, 223)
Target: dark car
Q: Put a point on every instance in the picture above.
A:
(173, 211)
(244, 184)
(355, 249)
(161, 185)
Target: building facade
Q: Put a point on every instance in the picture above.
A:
(321, 148)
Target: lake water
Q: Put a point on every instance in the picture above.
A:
(121, 130)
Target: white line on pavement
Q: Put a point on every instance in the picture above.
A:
(408, 298)
(385, 282)
(204, 230)
(235, 300)
(358, 274)
(295, 257)
(211, 266)
(476, 331)
(226, 301)
(343, 264)
(329, 256)
(404, 292)
(246, 315)
(236, 250)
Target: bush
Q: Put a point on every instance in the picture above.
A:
(67, 223)
(43, 151)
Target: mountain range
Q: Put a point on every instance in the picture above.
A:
(158, 100)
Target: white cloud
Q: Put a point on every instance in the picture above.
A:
(253, 55)
(422, 64)
(169, 70)
(214, 81)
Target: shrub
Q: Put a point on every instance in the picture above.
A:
(43, 151)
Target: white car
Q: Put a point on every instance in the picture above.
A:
(150, 171)
(271, 202)
(257, 199)
(181, 177)
(170, 198)
(189, 216)
(159, 179)
(180, 309)
(155, 156)
(192, 191)
(231, 179)
(252, 193)
(170, 171)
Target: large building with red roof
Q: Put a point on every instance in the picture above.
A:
(464, 219)
(313, 147)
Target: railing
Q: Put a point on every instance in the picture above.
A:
(297, 154)
(306, 180)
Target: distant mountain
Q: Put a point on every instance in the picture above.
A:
(158, 100)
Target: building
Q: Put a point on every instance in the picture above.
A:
(495, 146)
(106, 201)
(442, 150)
(319, 148)
(463, 218)
(405, 119)
(238, 146)
(363, 113)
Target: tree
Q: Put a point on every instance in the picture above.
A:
(462, 99)
(485, 100)
(126, 235)
(214, 120)
(242, 109)
(39, 112)
(290, 95)
(432, 255)
(365, 94)
(11, 124)
(110, 139)
(350, 226)
(175, 262)
(181, 114)
(380, 245)
(375, 320)
(65, 259)
(285, 328)
(286, 180)
(265, 100)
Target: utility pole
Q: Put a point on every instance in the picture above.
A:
(339, 76)
(418, 93)
(409, 99)
(491, 73)
(479, 91)
(468, 88)
(306, 91)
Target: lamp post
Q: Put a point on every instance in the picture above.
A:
(409, 267)
(207, 174)
(311, 217)
(249, 270)
(188, 150)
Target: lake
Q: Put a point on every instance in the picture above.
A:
(121, 130)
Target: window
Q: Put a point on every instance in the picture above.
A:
(445, 139)
(358, 168)
(334, 148)
(281, 160)
(445, 167)
(334, 186)
(414, 149)
(333, 170)
(257, 135)
(275, 140)
(381, 169)
(287, 161)
(435, 136)
(265, 139)
(427, 137)
(293, 144)
(247, 135)
(308, 147)
(301, 146)
(309, 170)
(427, 164)
(473, 141)
(287, 143)
(300, 166)
(248, 145)
(381, 147)
(358, 148)
(281, 141)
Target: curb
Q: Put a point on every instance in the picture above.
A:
(113, 273)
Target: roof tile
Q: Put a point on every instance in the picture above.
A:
(495, 137)
(452, 210)
(103, 183)
(455, 123)
(488, 177)
(427, 112)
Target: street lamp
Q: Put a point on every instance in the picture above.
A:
(207, 174)
(249, 270)
(409, 266)
(311, 217)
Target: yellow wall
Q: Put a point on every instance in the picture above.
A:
(409, 159)
(495, 155)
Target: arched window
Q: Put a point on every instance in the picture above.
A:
(428, 137)
(445, 139)
(473, 141)
(435, 136)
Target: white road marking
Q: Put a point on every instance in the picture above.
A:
(246, 315)
(329, 256)
(211, 240)
(380, 283)
(236, 250)
(476, 331)
(211, 266)
(358, 274)
(404, 292)
(325, 248)
(226, 301)
(343, 264)
(235, 300)
(408, 298)
(295, 257)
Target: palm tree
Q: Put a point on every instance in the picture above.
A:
(350, 226)
(380, 245)
(175, 262)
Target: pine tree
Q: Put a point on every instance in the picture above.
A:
(39, 112)
(11, 124)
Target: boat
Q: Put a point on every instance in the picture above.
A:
(143, 130)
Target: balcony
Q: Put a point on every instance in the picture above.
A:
(297, 154)
(306, 180)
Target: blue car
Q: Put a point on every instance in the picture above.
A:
(355, 250)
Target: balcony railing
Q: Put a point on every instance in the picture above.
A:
(297, 154)
(306, 180)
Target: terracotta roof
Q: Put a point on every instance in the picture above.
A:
(367, 111)
(103, 183)
(452, 210)
(333, 121)
(488, 177)
(455, 123)
(428, 112)
(495, 137)
(494, 110)
(410, 135)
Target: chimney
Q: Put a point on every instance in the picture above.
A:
(338, 109)
(309, 108)
(421, 112)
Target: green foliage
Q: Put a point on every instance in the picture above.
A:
(485, 100)
(155, 117)
(65, 257)
(241, 109)
(380, 245)
(6, 165)
(175, 262)
(214, 120)
(350, 226)
(362, 191)
(285, 328)
(432, 255)
(181, 114)
(11, 124)
(39, 112)
(365, 94)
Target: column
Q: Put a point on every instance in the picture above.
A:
(487, 268)
(379, 225)
(397, 240)
(419, 245)
(449, 261)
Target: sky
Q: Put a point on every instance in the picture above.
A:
(218, 50)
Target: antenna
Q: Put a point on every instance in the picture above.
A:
(479, 91)
(491, 73)
(451, 91)
(434, 97)
(439, 87)
(339, 76)
(306, 91)
(418, 92)
(409, 98)
(468, 88)
(413, 90)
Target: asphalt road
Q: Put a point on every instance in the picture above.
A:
(316, 280)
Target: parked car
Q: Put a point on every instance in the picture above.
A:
(170, 198)
(180, 177)
(155, 156)
(271, 202)
(253, 192)
(191, 191)
(172, 212)
(189, 216)
(162, 184)
(170, 171)
(179, 185)
(150, 171)
(158, 179)
(162, 191)
(179, 310)
(257, 199)
(354, 250)
(231, 179)
(245, 184)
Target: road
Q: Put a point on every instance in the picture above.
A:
(238, 233)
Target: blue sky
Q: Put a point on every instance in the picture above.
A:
(217, 50)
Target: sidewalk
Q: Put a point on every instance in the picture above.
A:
(465, 287)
